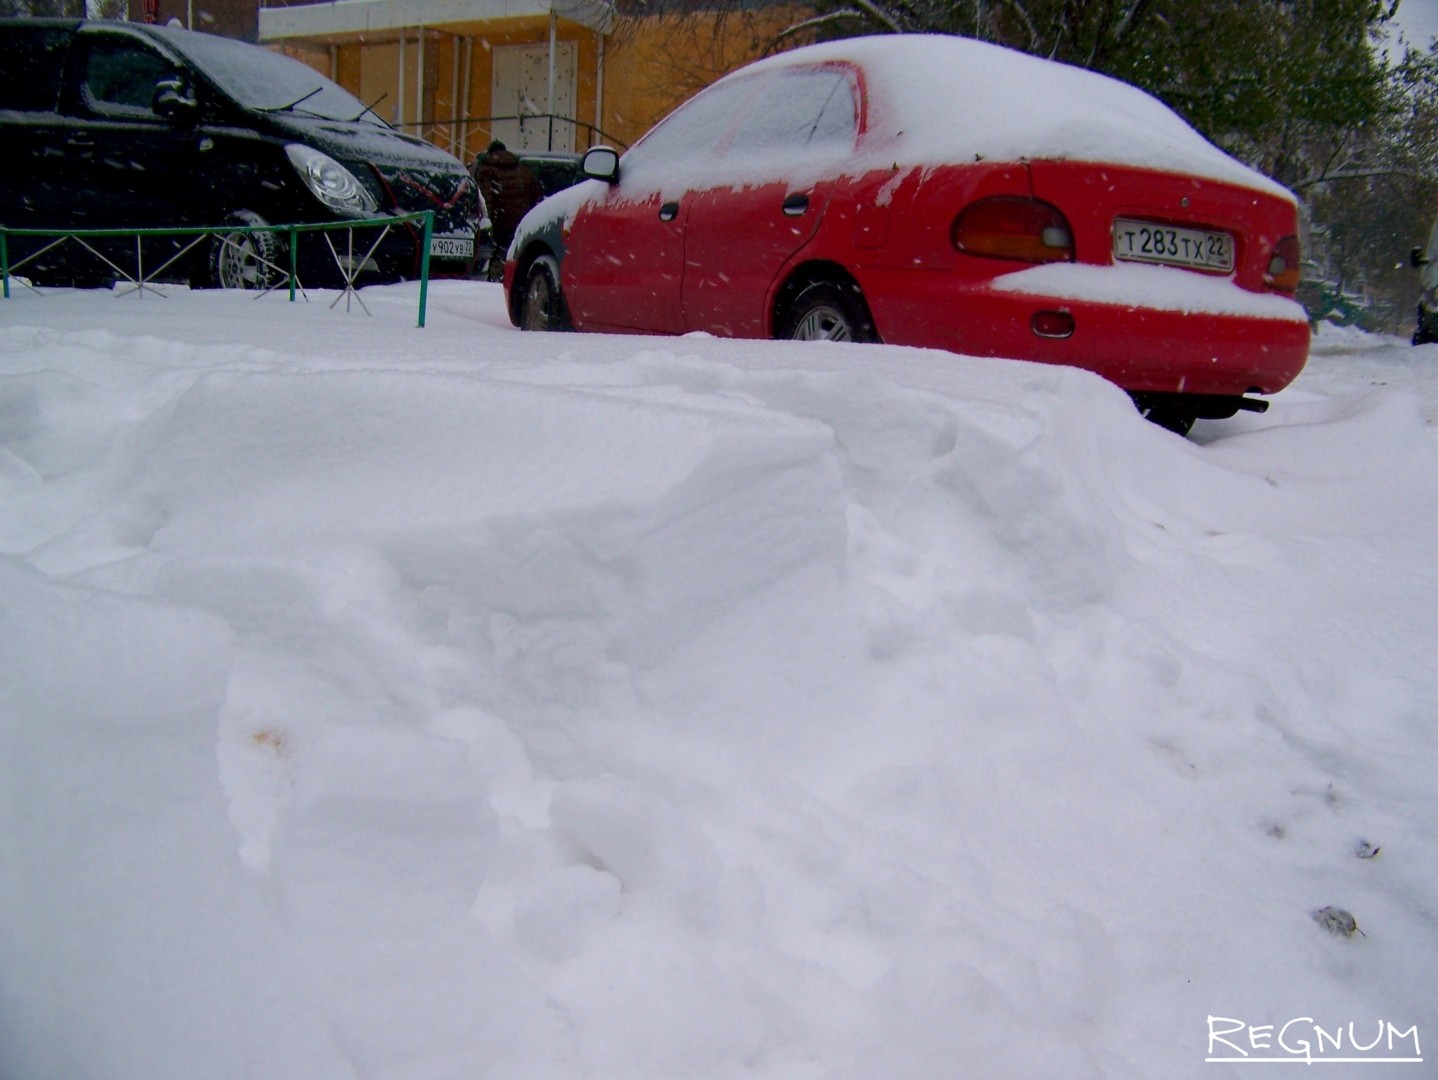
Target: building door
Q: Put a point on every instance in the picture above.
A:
(521, 96)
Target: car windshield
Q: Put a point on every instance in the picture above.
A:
(260, 79)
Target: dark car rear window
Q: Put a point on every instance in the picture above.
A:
(32, 63)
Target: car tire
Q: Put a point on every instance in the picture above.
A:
(827, 311)
(246, 260)
(541, 305)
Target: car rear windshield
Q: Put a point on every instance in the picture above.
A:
(260, 79)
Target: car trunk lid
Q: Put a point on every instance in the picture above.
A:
(1124, 214)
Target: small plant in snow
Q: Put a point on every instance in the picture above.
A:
(1337, 922)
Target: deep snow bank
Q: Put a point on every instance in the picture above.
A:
(463, 703)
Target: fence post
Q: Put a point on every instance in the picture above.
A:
(294, 260)
(424, 264)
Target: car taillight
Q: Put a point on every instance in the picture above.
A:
(1011, 227)
(1283, 266)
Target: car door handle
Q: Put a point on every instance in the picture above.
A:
(794, 205)
(669, 211)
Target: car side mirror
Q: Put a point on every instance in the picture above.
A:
(1416, 258)
(173, 101)
(601, 163)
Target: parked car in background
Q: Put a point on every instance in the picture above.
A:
(554, 169)
(939, 192)
(119, 125)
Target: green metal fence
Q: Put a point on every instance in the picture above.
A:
(141, 278)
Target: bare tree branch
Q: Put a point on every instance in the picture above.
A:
(819, 21)
(1355, 174)
(1021, 12)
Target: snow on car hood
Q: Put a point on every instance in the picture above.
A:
(550, 216)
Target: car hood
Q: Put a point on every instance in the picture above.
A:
(361, 141)
(417, 175)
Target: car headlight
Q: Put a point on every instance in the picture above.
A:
(331, 182)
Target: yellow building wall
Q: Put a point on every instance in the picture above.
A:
(626, 81)
(656, 63)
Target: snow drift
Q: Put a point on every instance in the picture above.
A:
(378, 702)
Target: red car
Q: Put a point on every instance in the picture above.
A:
(939, 192)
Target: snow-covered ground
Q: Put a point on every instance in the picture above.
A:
(405, 704)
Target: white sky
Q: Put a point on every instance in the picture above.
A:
(1417, 21)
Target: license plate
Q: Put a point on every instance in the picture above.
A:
(451, 247)
(1144, 241)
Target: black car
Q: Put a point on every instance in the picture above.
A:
(555, 170)
(118, 126)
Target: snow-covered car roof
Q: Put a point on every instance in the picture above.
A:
(939, 100)
(936, 99)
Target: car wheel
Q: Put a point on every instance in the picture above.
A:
(824, 311)
(541, 307)
(246, 260)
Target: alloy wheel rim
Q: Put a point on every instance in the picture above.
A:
(823, 323)
(537, 302)
(239, 262)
